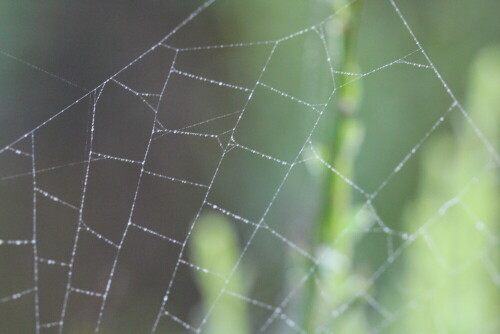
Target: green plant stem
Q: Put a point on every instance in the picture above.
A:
(347, 99)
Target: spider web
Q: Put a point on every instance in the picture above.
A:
(130, 150)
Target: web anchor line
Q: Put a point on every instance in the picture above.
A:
(35, 246)
(98, 87)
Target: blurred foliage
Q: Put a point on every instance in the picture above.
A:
(214, 247)
(448, 276)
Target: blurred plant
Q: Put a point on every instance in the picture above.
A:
(453, 278)
(215, 247)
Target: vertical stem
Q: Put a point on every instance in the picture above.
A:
(346, 105)
(334, 196)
